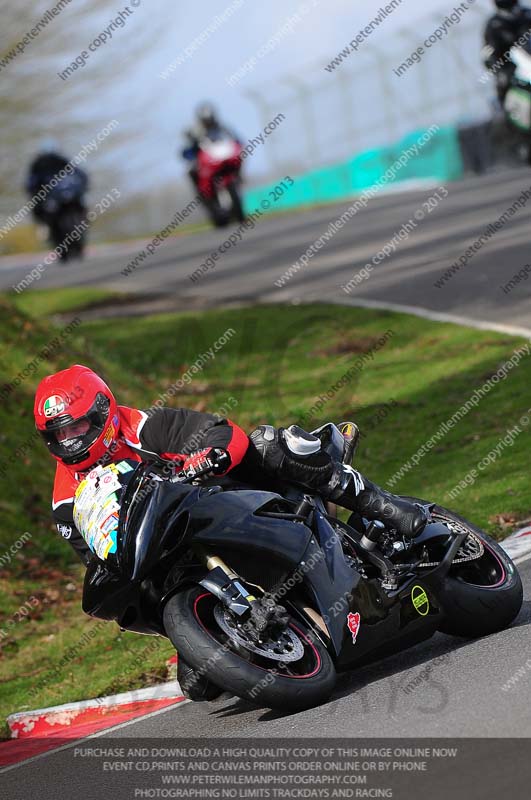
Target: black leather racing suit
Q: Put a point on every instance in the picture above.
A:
(502, 32)
(42, 169)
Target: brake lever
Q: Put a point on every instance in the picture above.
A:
(182, 477)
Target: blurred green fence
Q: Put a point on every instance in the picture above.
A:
(439, 159)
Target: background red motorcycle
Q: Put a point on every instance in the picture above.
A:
(219, 180)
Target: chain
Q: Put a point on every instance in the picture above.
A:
(471, 549)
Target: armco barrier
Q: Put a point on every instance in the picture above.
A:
(440, 159)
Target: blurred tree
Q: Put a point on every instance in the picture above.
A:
(36, 103)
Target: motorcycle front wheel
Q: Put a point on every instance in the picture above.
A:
(268, 674)
(237, 207)
(61, 228)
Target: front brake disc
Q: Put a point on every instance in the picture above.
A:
(288, 647)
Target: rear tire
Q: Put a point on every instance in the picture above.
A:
(190, 625)
(490, 604)
(472, 610)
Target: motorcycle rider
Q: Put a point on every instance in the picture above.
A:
(510, 22)
(82, 426)
(45, 166)
(207, 126)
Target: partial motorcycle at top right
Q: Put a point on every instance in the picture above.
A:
(517, 102)
(507, 56)
(268, 595)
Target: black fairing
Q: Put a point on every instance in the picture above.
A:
(389, 620)
(330, 579)
(152, 525)
(232, 520)
(109, 595)
(157, 517)
(159, 520)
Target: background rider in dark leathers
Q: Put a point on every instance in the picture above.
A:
(510, 22)
(45, 166)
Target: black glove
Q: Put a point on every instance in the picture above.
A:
(292, 455)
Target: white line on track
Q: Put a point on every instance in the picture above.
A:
(522, 559)
(439, 316)
(76, 742)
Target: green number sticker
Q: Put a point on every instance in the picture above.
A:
(420, 601)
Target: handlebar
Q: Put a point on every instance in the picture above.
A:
(222, 462)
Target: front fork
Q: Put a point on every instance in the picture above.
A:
(225, 584)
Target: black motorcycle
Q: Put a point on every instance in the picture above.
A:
(268, 595)
(64, 211)
(517, 103)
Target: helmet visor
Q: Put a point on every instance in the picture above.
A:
(70, 439)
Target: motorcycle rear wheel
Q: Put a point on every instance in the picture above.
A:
(192, 628)
(482, 596)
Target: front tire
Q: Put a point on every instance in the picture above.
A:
(191, 626)
(483, 596)
(237, 206)
(67, 221)
(194, 686)
(218, 216)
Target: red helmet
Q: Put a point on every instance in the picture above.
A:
(77, 416)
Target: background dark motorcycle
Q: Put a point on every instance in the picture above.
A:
(64, 212)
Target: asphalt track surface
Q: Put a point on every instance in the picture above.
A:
(462, 694)
(247, 271)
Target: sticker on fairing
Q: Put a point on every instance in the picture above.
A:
(53, 406)
(97, 509)
(111, 523)
(123, 467)
(420, 601)
(353, 624)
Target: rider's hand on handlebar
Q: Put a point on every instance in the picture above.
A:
(211, 460)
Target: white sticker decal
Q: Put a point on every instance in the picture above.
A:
(96, 509)
(53, 406)
(65, 531)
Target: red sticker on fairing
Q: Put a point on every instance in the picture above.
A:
(353, 622)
